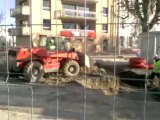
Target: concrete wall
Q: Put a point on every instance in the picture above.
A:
(37, 17)
(56, 23)
(149, 45)
(23, 41)
(37, 12)
(111, 20)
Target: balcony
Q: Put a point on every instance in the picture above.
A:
(18, 11)
(75, 14)
(12, 31)
(24, 31)
(80, 1)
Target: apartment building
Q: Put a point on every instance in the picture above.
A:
(90, 18)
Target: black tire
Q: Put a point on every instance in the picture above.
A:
(71, 68)
(13, 69)
(33, 71)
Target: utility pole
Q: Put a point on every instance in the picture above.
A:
(13, 43)
(118, 39)
(30, 22)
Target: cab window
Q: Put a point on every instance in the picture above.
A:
(43, 40)
(51, 43)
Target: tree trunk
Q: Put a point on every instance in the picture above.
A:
(145, 29)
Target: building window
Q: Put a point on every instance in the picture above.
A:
(69, 9)
(46, 24)
(82, 26)
(122, 41)
(42, 40)
(105, 11)
(46, 4)
(67, 6)
(130, 41)
(69, 25)
(24, 2)
(82, 8)
(105, 28)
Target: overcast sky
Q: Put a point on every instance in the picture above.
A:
(9, 4)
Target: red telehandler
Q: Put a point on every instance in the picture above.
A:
(49, 56)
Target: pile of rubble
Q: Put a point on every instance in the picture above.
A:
(93, 78)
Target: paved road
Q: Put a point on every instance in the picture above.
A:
(71, 98)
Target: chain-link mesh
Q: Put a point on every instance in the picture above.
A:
(113, 88)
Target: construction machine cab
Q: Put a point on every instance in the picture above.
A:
(52, 43)
(56, 43)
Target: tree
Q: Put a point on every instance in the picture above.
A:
(146, 11)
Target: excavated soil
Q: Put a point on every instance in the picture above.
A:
(94, 78)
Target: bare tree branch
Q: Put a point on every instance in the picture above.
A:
(127, 6)
(156, 16)
(146, 11)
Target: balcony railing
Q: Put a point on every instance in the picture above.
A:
(80, 1)
(76, 14)
(21, 10)
(92, 0)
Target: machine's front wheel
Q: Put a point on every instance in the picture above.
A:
(71, 68)
(33, 71)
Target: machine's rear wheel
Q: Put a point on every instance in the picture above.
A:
(33, 71)
(71, 68)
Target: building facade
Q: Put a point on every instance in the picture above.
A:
(90, 18)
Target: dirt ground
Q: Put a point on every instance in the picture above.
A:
(12, 115)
